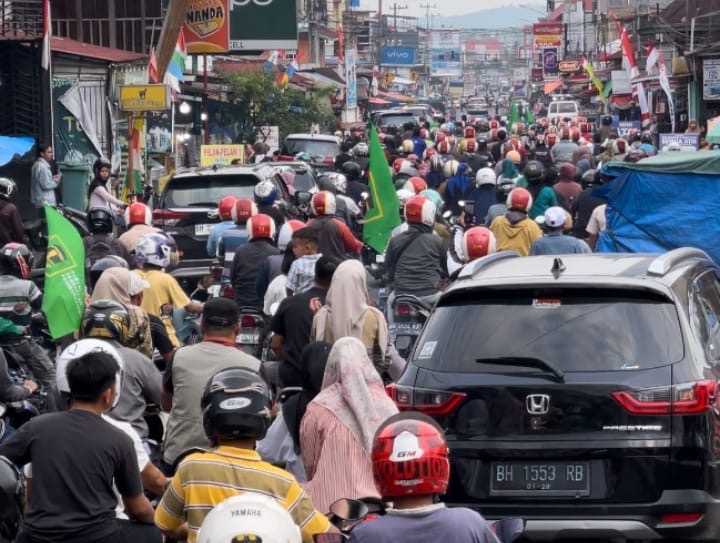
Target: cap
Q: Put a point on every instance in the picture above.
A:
(137, 284)
(555, 217)
(222, 312)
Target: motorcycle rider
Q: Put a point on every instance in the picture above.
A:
(484, 195)
(232, 466)
(555, 242)
(265, 196)
(9, 391)
(355, 187)
(11, 226)
(351, 210)
(474, 243)
(361, 156)
(101, 242)
(504, 186)
(109, 321)
(225, 207)
(566, 187)
(138, 220)
(412, 469)
(458, 188)
(564, 150)
(543, 196)
(336, 239)
(584, 204)
(434, 177)
(19, 297)
(416, 260)
(515, 231)
(541, 151)
(235, 237)
(249, 258)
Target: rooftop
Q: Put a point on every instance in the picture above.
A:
(95, 52)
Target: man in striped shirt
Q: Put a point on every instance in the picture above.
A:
(236, 412)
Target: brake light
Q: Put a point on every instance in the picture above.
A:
(228, 292)
(684, 399)
(434, 403)
(404, 309)
(680, 518)
(167, 217)
(250, 321)
(328, 160)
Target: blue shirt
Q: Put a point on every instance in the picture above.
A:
(419, 146)
(556, 243)
(230, 241)
(215, 237)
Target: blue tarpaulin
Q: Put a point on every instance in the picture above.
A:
(11, 146)
(662, 203)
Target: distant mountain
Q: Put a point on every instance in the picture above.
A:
(510, 16)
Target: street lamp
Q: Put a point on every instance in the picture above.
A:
(184, 108)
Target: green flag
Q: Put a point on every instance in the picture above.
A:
(514, 114)
(64, 298)
(529, 115)
(384, 215)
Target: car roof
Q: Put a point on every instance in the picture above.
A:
(319, 137)
(657, 271)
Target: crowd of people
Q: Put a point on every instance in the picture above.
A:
(95, 469)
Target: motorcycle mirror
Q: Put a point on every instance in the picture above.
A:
(302, 198)
(347, 509)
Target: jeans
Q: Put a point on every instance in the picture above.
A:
(38, 362)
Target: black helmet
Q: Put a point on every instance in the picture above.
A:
(482, 143)
(99, 164)
(352, 170)
(106, 319)
(99, 221)
(8, 187)
(326, 182)
(236, 403)
(110, 261)
(534, 170)
(16, 259)
(588, 178)
(12, 495)
(646, 137)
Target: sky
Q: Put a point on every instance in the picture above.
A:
(452, 7)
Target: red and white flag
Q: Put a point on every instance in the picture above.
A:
(656, 58)
(638, 89)
(45, 58)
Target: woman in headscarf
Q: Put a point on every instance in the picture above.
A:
(124, 286)
(338, 427)
(459, 187)
(348, 313)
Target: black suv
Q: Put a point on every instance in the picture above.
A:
(579, 392)
(187, 209)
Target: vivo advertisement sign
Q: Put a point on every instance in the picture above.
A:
(398, 56)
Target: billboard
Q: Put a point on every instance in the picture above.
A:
(547, 35)
(684, 142)
(397, 56)
(445, 57)
(550, 63)
(262, 25)
(711, 79)
(350, 78)
(223, 155)
(207, 26)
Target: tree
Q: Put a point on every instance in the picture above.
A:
(256, 100)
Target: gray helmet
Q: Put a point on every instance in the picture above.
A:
(8, 187)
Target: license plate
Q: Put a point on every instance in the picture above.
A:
(247, 338)
(203, 229)
(540, 479)
(407, 328)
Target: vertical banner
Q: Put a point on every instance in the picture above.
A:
(207, 26)
(550, 63)
(350, 78)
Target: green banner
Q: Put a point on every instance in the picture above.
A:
(64, 298)
(262, 25)
(71, 142)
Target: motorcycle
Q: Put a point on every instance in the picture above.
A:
(252, 331)
(409, 316)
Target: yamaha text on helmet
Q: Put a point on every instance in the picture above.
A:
(478, 242)
(420, 210)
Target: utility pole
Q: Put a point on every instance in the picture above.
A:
(172, 26)
(379, 36)
(395, 8)
(427, 8)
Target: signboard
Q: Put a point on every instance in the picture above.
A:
(263, 25)
(623, 127)
(569, 66)
(711, 79)
(350, 78)
(397, 56)
(547, 35)
(159, 132)
(687, 142)
(145, 98)
(550, 63)
(210, 155)
(271, 135)
(207, 26)
(445, 57)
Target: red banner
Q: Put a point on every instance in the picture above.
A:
(207, 26)
(547, 35)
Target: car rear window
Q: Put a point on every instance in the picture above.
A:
(573, 331)
(315, 148)
(396, 120)
(206, 191)
(564, 107)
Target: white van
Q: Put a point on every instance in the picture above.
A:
(562, 109)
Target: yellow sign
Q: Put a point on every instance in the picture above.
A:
(388, 78)
(222, 155)
(144, 98)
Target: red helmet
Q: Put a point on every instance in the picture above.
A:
(478, 241)
(323, 204)
(565, 134)
(260, 226)
(575, 134)
(494, 124)
(469, 132)
(138, 213)
(519, 199)
(430, 151)
(420, 210)
(551, 139)
(443, 147)
(243, 209)
(513, 143)
(424, 133)
(585, 128)
(412, 157)
(440, 136)
(416, 185)
(471, 145)
(225, 208)
(410, 457)
(519, 128)
(398, 164)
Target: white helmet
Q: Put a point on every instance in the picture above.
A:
(249, 516)
(450, 168)
(153, 249)
(420, 210)
(404, 195)
(407, 146)
(340, 182)
(361, 149)
(485, 176)
(81, 348)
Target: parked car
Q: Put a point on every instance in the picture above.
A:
(579, 392)
(321, 148)
(188, 204)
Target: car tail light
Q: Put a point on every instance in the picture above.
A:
(404, 309)
(684, 399)
(250, 321)
(435, 403)
(228, 292)
(167, 217)
(680, 518)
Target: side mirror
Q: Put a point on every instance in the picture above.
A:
(302, 198)
(347, 509)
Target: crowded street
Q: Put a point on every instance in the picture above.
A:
(279, 272)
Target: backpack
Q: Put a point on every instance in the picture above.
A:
(97, 247)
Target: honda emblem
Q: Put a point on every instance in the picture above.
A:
(537, 404)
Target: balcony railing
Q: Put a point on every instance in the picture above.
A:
(21, 19)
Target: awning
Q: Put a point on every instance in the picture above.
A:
(378, 101)
(86, 50)
(321, 80)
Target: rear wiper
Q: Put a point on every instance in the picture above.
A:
(527, 362)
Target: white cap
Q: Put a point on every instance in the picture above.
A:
(555, 217)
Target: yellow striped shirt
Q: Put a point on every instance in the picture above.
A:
(203, 480)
